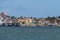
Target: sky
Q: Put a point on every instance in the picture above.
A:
(30, 8)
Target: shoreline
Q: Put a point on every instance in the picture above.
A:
(28, 21)
(25, 26)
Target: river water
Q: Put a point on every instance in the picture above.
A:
(29, 33)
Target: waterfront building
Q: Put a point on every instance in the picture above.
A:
(52, 21)
(1, 21)
(4, 19)
(42, 22)
(25, 21)
(58, 21)
(39, 21)
(32, 22)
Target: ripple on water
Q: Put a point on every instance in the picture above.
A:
(29, 33)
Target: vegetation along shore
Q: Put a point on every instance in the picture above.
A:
(6, 20)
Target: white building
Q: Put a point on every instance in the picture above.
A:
(1, 20)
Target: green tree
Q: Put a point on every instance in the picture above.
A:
(58, 16)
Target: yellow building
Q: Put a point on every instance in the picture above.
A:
(24, 21)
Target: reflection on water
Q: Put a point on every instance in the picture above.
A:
(29, 33)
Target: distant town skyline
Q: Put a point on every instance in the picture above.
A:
(30, 8)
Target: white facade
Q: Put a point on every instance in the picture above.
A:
(1, 20)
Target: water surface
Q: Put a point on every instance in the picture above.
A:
(29, 33)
